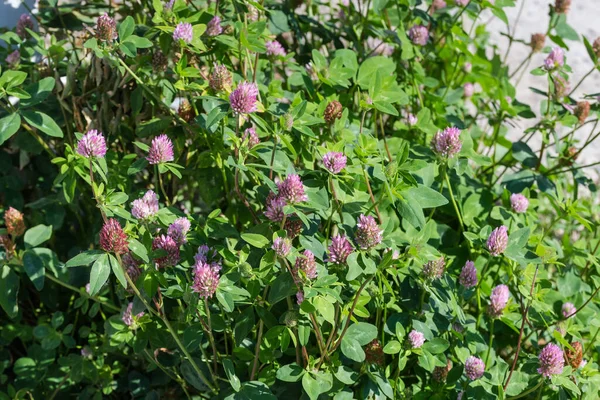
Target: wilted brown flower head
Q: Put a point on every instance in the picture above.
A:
(333, 111)
(537, 42)
(582, 111)
(574, 357)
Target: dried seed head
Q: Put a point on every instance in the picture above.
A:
(333, 111)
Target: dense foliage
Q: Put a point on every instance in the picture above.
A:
(295, 200)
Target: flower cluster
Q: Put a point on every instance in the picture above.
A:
(167, 249)
(214, 28)
(146, 207)
(92, 145)
(498, 300)
(468, 275)
(307, 264)
(282, 247)
(179, 229)
(14, 222)
(183, 32)
(498, 241)
(23, 24)
(275, 49)
(206, 278)
(416, 339)
(112, 237)
(551, 360)
(106, 28)
(220, 78)
(474, 368)
(128, 317)
(161, 150)
(243, 99)
(555, 59)
(334, 162)
(568, 309)
(419, 35)
(339, 250)
(291, 189)
(519, 203)
(434, 269)
(447, 143)
(368, 234)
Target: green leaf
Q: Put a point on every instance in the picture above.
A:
(139, 42)
(230, 372)
(255, 239)
(352, 349)
(37, 235)
(137, 166)
(85, 258)
(99, 274)
(436, 346)
(282, 287)
(10, 79)
(425, 196)
(34, 267)
(9, 289)
(290, 373)
(362, 332)
(39, 91)
(117, 270)
(392, 347)
(311, 386)
(9, 125)
(385, 107)
(42, 122)
(138, 249)
(126, 28)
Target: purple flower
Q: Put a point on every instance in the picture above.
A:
(555, 59)
(161, 150)
(368, 233)
(307, 264)
(551, 360)
(411, 119)
(461, 3)
(433, 270)
(282, 247)
(251, 136)
(132, 267)
(498, 300)
(498, 240)
(468, 275)
(243, 99)
(275, 49)
(205, 255)
(339, 250)
(179, 229)
(166, 244)
(106, 28)
(419, 35)
(568, 309)
(467, 67)
(145, 207)
(87, 352)
(416, 339)
(274, 207)
(112, 237)
(183, 31)
(214, 28)
(23, 23)
(438, 5)
(519, 203)
(92, 144)
(469, 89)
(299, 297)
(334, 162)
(292, 189)
(13, 59)
(447, 143)
(206, 278)
(169, 5)
(128, 318)
(474, 368)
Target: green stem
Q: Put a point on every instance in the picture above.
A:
(460, 221)
(73, 288)
(533, 389)
(487, 356)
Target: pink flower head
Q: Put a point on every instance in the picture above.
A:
(214, 28)
(179, 229)
(183, 31)
(433, 270)
(498, 240)
(411, 119)
(166, 244)
(447, 143)
(555, 59)
(145, 207)
(275, 49)
(274, 207)
(92, 145)
(368, 233)
(243, 99)
(461, 3)
(206, 278)
(23, 23)
(339, 250)
(15, 224)
(468, 275)
(307, 264)
(251, 136)
(161, 150)
(416, 339)
(282, 247)
(498, 300)
(169, 5)
(14, 58)
(551, 360)
(469, 89)
(419, 35)
(299, 297)
(467, 67)
(334, 162)
(106, 28)
(292, 189)
(474, 368)
(128, 317)
(112, 237)
(519, 203)
(568, 309)
(438, 5)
